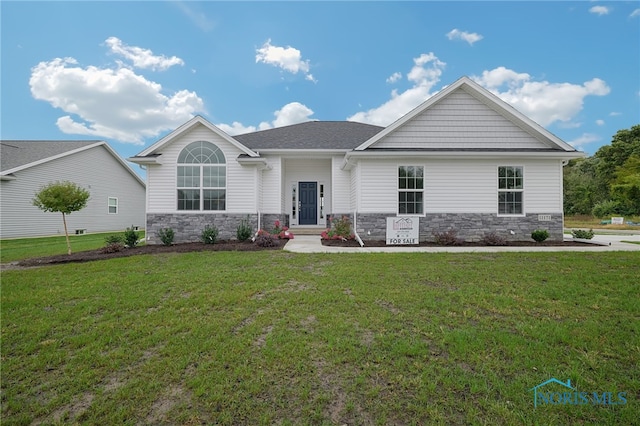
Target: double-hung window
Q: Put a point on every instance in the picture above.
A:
(112, 204)
(510, 190)
(410, 190)
(202, 177)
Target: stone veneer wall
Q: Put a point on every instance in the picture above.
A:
(470, 227)
(189, 226)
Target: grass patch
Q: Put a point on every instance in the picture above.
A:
(630, 242)
(282, 338)
(25, 248)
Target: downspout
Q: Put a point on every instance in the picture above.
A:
(355, 229)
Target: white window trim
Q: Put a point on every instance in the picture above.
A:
(109, 205)
(424, 179)
(521, 190)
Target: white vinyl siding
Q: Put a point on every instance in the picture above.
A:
(341, 182)
(460, 186)
(459, 121)
(162, 179)
(94, 169)
(272, 186)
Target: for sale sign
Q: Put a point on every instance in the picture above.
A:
(402, 230)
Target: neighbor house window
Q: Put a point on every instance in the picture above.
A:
(510, 189)
(202, 177)
(113, 205)
(410, 190)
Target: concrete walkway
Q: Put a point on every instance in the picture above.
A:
(312, 244)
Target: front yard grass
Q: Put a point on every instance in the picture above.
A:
(282, 338)
(24, 248)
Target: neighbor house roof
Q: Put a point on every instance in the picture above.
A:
(16, 155)
(21, 153)
(325, 135)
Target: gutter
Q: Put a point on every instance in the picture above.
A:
(355, 229)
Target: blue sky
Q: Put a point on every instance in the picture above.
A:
(130, 72)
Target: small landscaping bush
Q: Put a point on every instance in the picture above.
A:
(278, 232)
(166, 236)
(539, 235)
(583, 234)
(266, 240)
(340, 230)
(493, 239)
(447, 238)
(113, 244)
(131, 237)
(244, 231)
(209, 235)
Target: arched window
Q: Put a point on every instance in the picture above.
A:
(202, 177)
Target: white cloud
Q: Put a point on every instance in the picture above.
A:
(635, 13)
(542, 101)
(600, 122)
(291, 113)
(456, 34)
(142, 58)
(424, 75)
(600, 10)
(585, 139)
(394, 77)
(110, 103)
(286, 58)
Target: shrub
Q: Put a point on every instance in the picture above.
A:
(539, 235)
(113, 244)
(266, 240)
(581, 233)
(447, 238)
(166, 236)
(131, 237)
(493, 239)
(244, 231)
(278, 232)
(341, 230)
(607, 208)
(209, 235)
(113, 239)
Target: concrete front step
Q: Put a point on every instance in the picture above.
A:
(306, 231)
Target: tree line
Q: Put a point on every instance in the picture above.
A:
(607, 183)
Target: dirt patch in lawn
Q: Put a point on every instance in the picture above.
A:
(90, 255)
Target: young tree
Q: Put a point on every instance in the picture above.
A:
(64, 197)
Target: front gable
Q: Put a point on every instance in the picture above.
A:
(196, 126)
(465, 116)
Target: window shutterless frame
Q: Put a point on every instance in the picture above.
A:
(510, 182)
(112, 205)
(410, 186)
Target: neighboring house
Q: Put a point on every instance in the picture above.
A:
(117, 192)
(462, 160)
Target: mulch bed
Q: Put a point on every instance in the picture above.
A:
(87, 256)
(382, 243)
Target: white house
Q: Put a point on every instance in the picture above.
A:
(117, 192)
(464, 159)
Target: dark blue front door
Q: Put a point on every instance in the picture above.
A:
(308, 193)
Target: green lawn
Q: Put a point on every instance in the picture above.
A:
(23, 248)
(279, 338)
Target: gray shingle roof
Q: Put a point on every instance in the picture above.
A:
(19, 153)
(311, 135)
